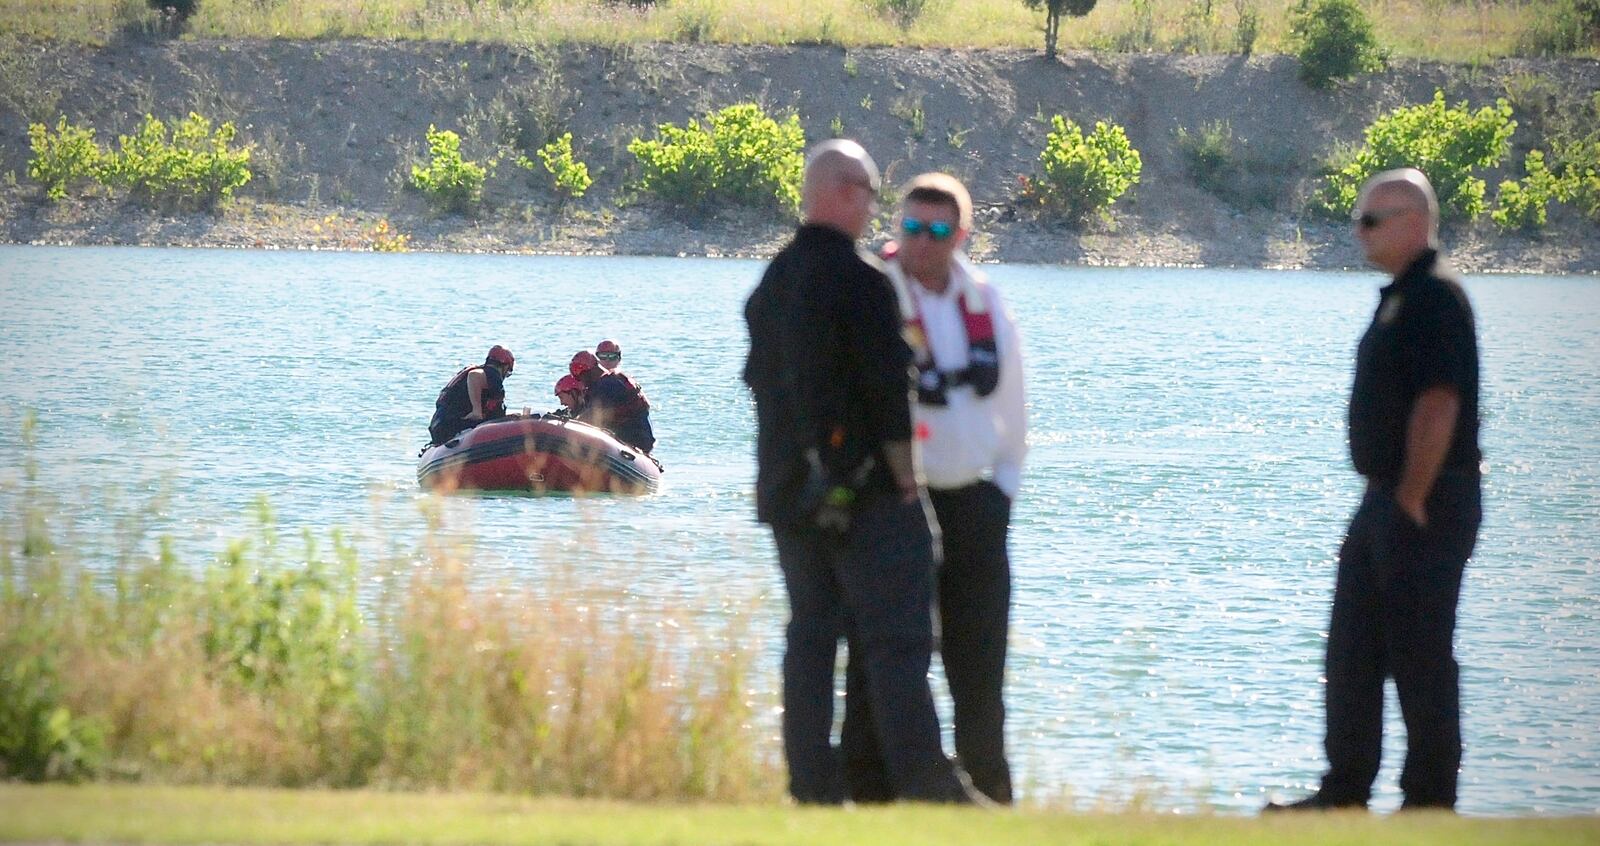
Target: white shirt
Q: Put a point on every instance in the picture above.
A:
(972, 438)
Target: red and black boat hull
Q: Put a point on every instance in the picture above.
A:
(538, 454)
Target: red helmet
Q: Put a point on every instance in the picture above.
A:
(501, 355)
(608, 349)
(582, 362)
(568, 384)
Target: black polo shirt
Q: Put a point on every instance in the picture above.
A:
(828, 367)
(1421, 337)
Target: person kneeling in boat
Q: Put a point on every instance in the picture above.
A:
(612, 401)
(570, 392)
(473, 395)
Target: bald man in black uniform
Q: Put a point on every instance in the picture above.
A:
(1414, 436)
(830, 372)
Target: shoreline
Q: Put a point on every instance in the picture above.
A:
(1476, 264)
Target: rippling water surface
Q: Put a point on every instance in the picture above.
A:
(1174, 545)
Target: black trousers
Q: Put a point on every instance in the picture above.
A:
(1394, 614)
(879, 578)
(974, 591)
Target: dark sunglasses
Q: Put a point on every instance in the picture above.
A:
(938, 230)
(609, 356)
(1373, 219)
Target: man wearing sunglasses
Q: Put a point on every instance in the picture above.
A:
(1413, 422)
(610, 354)
(971, 423)
(837, 482)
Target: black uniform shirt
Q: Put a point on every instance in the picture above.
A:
(828, 367)
(1421, 337)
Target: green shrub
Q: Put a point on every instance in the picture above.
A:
(195, 167)
(1334, 40)
(1524, 205)
(175, 14)
(1577, 164)
(182, 9)
(450, 182)
(1446, 143)
(1209, 154)
(571, 176)
(63, 158)
(1082, 174)
(1217, 162)
(41, 739)
(904, 13)
(740, 155)
(1565, 26)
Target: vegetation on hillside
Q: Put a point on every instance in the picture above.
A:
(1419, 28)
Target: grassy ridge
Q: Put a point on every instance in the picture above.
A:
(1437, 29)
(245, 817)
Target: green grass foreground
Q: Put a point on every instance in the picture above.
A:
(129, 814)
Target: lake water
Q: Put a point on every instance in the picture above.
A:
(1174, 544)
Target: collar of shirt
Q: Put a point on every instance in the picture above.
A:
(819, 232)
(1420, 269)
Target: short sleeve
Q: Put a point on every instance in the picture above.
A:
(1440, 343)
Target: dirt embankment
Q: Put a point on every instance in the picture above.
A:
(336, 125)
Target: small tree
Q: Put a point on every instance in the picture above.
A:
(1053, 11)
(451, 183)
(175, 14)
(62, 158)
(1083, 174)
(1334, 40)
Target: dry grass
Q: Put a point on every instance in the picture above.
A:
(267, 666)
(1436, 29)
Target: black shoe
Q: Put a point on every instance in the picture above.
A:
(1421, 806)
(1314, 802)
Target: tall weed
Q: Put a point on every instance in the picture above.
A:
(270, 666)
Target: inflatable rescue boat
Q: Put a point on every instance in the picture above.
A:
(540, 453)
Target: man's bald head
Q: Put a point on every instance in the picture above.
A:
(1397, 218)
(1402, 187)
(841, 185)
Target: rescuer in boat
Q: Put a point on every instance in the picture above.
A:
(570, 392)
(610, 354)
(612, 401)
(472, 396)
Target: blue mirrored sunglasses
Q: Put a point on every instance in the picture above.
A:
(938, 230)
